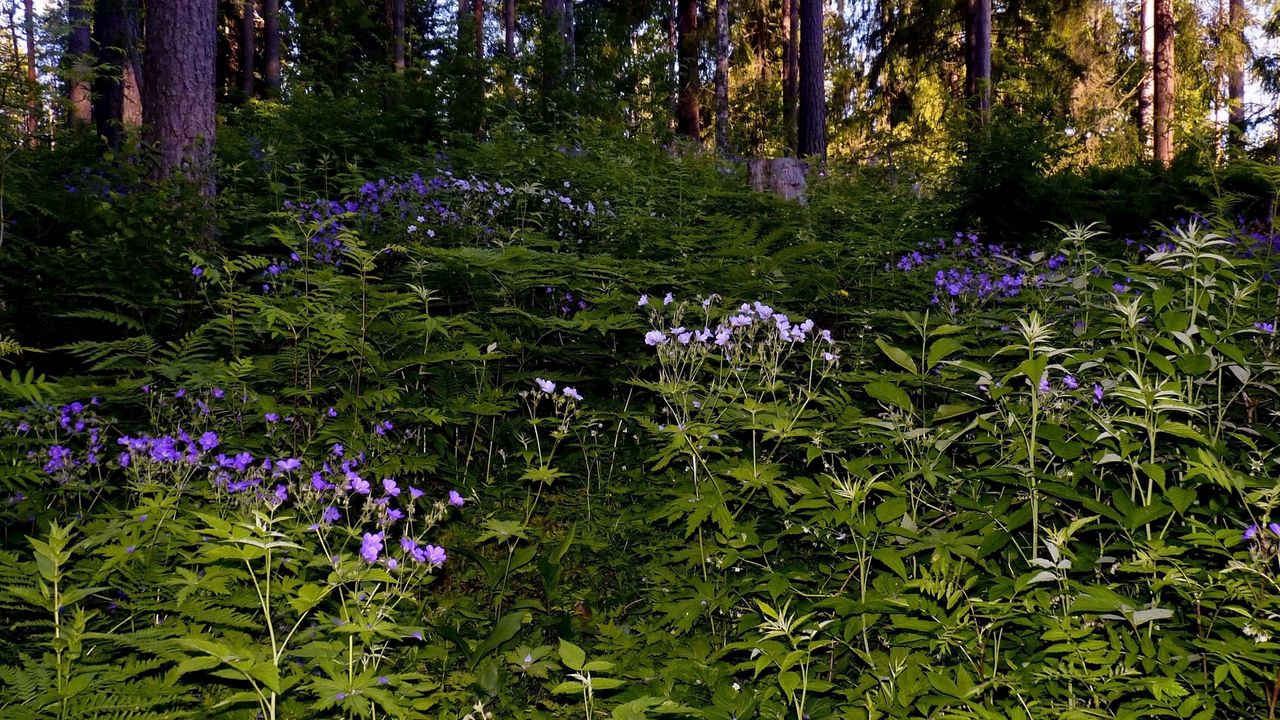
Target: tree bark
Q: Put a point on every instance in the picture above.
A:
(179, 106)
(722, 75)
(1164, 83)
(116, 87)
(1146, 85)
(271, 47)
(1235, 77)
(477, 14)
(396, 26)
(509, 28)
(558, 36)
(811, 138)
(79, 49)
(248, 33)
(977, 65)
(790, 68)
(688, 112)
(33, 87)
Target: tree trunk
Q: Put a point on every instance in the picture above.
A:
(79, 49)
(1164, 82)
(271, 46)
(396, 25)
(248, 31)
(116, 87)
(1146, 85)
(790, 68)
(811, 138)
(673, 44)
(722, 75)
(1235, 77)
(558, 37)
(33, 87)
(477, 14)
(509, 28)
(179, 106)
(688, 113)
(977, 61)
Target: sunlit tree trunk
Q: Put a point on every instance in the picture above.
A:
(722, 75)
(811, 138)
(33, 86)
(477, 16)
(790, 68)
(179, 104)
(977, 65)
(1235, 76)
(1164, 83)
(116, 86)
(396, 28)
(79, 48)
(271, 46)
(688, 113)
(248, 36)
(1146, 85)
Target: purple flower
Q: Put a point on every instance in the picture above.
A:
(1070, 382)
(572, 393)
(390, 487)
(197, 271)
(644, 300)
(371, 547)
(330, 515)
(1251, 532)
(545, 386)
(654, 338)
(1274, 528)
(208, 440)
(124, 459)
(341, 696)
(357, 484)
(456, 499)
(331, 412)
(415, 493)
(666, 300)
(434, 555)
(272, 417)
(1097, 392)
(1044, 384)
(217, 393)
(288, 465)
(1266, 327)
(281, 493)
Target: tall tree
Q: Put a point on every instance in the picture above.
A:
(79, 47)
(248, 34)
(811, 137)
(557, 42)
(271, 46)
(790, 68)
(1146, 84)
(1164, 83)
(477, 25)
(1235, 75)
(33, 86)
(688, 112)
(396, 28)
(179, 92)
(116, 86)
(977, 58)
(722, 75)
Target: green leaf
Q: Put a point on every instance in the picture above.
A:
(503, 631)
(572, 655)
(942, 348)
(899, 356)
(890, 394)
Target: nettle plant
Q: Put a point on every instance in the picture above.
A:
(289, 583)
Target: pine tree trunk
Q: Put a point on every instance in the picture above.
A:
(688, 113)
(1235, 78)
(477, 14)
(558, 37)
(79, 48)
(977, 66)
(33, 86)
(811, 138)
(179, 104)
(396, 26)
(790, 68)
(509, 28)
(116, 86)
(271, 46)
(248, 33)
(1164, 83)
(1146, 85)
(722, 75)
(673, 44)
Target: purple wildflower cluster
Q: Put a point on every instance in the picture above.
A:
(547, 387)
(568, 302)
(979, 270)
(738, 326)
(424, 207)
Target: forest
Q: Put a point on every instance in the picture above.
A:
(622, 359)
